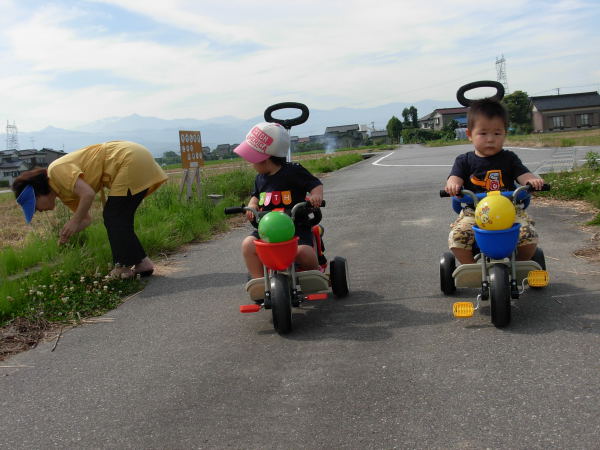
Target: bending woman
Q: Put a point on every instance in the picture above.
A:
(130, 173)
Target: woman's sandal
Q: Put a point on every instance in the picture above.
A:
(121, 273)
(144, 273)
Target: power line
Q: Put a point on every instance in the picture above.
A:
(597, 85)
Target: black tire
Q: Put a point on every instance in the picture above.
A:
(281, 303)
(499, 295)
(447, 267)
(539, 258)
(338, 272)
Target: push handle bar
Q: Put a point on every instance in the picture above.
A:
(460, 94)
(287, 123)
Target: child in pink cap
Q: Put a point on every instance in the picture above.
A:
(278, 184)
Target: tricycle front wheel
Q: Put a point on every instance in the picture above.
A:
(500, 295)
(281, 303)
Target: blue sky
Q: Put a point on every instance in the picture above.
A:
(67, 62)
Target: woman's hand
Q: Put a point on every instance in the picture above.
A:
(71, 227)
(81, 218)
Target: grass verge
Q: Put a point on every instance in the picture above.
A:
(580, 184)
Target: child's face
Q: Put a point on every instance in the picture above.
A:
(487, 136)
(266, 167)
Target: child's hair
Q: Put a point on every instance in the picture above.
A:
(489, 108)
(36, 178)
(279, 160)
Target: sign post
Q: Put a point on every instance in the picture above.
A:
(191, 161)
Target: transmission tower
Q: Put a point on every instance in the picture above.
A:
(12, 136)
(501, 72)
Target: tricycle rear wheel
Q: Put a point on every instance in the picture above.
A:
(539, 258)
(338, 273)
(447, 267)
(500, 295)
(281, 303)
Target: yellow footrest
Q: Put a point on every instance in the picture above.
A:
(538, 278)
(463, 309)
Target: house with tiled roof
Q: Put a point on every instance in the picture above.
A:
(439, 118)
(14, 162)
(565, 112)
(11, 169)
(379, 137)
(344, 136)
(223, 151)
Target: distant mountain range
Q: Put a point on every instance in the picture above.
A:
(161, 135)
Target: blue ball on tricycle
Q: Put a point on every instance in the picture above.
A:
(497, 244)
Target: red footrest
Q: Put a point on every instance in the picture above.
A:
(316, 297)
(249, 308)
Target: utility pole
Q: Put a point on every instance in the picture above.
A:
(501, 72)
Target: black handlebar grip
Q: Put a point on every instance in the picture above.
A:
(316, 219)
(545, 187)
(460, 94)
(287, 123)
(444, 194)
(234, 210)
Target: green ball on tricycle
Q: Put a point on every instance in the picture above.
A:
(276, 226)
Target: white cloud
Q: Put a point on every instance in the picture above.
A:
(242, 55)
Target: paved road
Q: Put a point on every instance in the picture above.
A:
(388, 367)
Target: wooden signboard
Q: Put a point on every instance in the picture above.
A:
(191, 149)
(190, 145)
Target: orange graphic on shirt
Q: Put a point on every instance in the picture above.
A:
(287, 197)
(491, 182)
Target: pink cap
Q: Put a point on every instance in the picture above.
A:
(264, 139)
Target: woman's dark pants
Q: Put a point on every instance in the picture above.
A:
(118, 216)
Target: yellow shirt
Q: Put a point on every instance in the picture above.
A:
(120, 166)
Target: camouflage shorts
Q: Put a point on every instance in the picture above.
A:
(462, 235)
